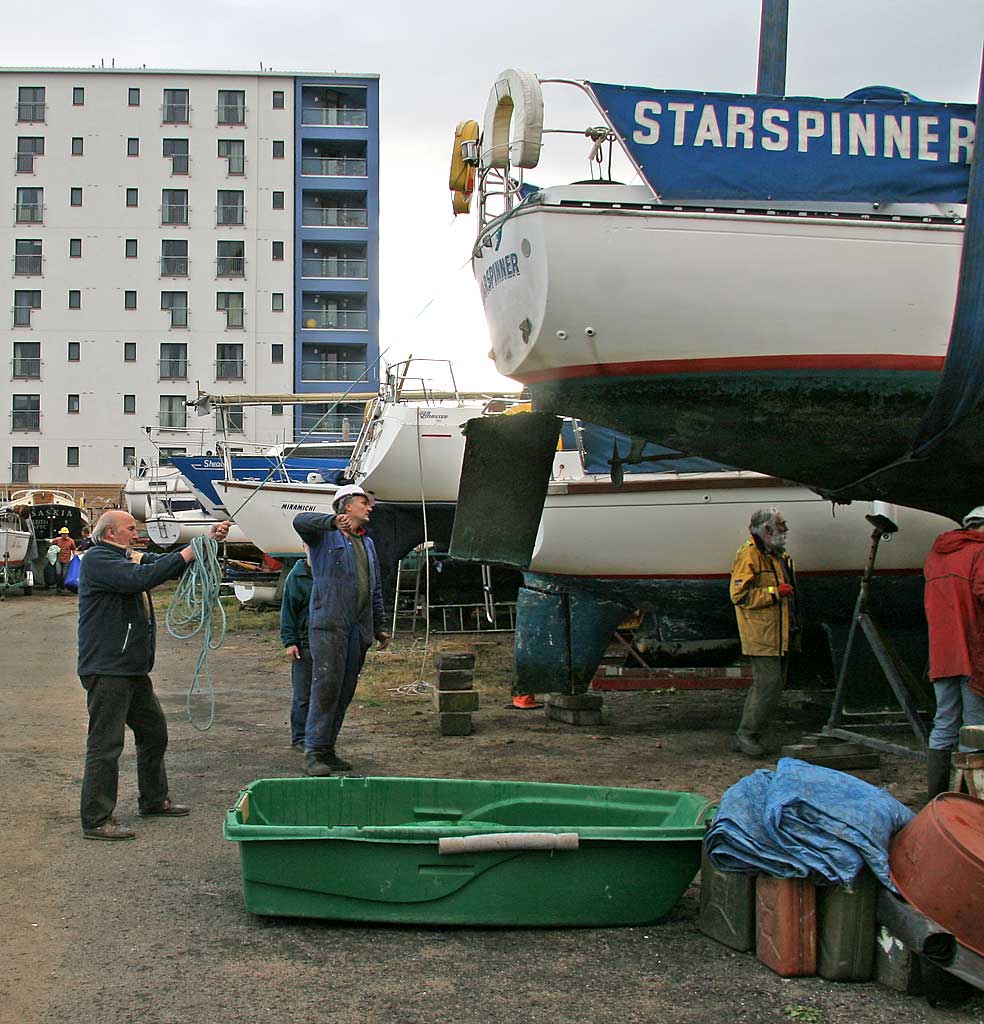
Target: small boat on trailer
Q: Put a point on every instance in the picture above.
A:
(48, 511)
(16, 540)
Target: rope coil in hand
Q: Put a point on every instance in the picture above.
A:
(196, 608)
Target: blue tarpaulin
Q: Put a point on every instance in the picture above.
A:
(803, 820)
(705, 146)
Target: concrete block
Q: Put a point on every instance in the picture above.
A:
(572, 716)
(576, 701)
(896, 966)
(453, 723)
(455, 680)
(455, 700)
(454, 661)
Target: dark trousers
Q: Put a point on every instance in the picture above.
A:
(300, 684)
(337, 661)
(116, 702)
(768, 680)
(61, 568)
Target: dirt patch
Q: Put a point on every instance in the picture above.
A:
(154, 931)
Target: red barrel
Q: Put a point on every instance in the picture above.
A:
(937, 863)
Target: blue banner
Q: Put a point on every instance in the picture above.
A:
(691, 145)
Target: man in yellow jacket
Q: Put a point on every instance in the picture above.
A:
(763, 591)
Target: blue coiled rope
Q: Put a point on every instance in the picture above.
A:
(196, 608)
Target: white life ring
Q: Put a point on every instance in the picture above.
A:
(513, 127)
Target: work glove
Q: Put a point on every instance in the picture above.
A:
(785, 590)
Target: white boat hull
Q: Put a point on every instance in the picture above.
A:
(180, 529)
(266, 514)
(14, 545)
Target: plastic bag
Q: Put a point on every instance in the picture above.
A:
(72, 574)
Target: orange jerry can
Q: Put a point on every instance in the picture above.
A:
(786, 925)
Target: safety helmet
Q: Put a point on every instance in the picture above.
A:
(64, 529)
(346, 492)
(974, 513)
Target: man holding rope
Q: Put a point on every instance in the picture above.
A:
(117, 640)
(346, 615)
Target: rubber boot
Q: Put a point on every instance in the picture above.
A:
(315, 765)
(937, 773)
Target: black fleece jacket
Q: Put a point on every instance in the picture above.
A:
(117, 631)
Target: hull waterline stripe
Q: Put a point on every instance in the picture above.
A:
(618, 577)
(741, 364)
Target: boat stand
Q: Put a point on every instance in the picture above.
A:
(900, 679)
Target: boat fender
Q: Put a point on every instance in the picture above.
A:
(506, 841)
(515, 106)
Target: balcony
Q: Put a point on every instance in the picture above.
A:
(337, 423)
(235, 318)
(31, 113)
(230, 266)
(174, 419)
(334, 266)
(174, 266)
(342, 117)
(25, 422)
(20, 472)
(334, 166)
(172, 369)
(22, 315)
(174, 213)
(229, 369)
(320, 319)
(25, 163)
(180, 163)
(234, 114)
(334, 217)
(29, 213)
(179, 316)
(319, 371)
(176, 113)
(25, 368)
(229, 215)
(27, 266)
(237, 166)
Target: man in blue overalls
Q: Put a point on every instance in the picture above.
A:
(346, 614)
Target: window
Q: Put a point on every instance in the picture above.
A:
(27, 256)
(173, 412)
(21, 461)
(129, 351)
(278, 250)
(278, 149)
(75, 248)
(76, 197)
(174, 206)
(177, 304)
(28, 147)
(229, 207)
(232, 106)
(278, 99)
(278, 200)
(278, 302)
(231, 417)
(131, 197)
(233, 151)
(30, 206)
(130, 249)
(129, 299)
(276, 410)
(78, 145)
(73, 405)
(228, 362)
(176, 109)
(24, 302)
(25, 412)
(230, 259)
(74, 351)
(129, 456)
(129, 405)
(74, 299)
(177, 151)
(27, 360)
(78, 96)
(71, 456)
(133, 97)
(173, 364)
(276, 353)
(133, 147)
(174, 257)
(30, 103)
(231, 303)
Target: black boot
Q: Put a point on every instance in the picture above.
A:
(937, 773)
(339, 764)
(315, 764)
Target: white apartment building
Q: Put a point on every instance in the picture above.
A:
(154, 237)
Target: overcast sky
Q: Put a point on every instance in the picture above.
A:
(438, 60)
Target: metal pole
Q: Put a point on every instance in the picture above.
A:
(773, 35)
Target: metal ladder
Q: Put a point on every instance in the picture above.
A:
(411, 580)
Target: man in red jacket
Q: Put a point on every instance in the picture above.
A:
(954, 601)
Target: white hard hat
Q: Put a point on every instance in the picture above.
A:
(974, 513)
(346, 492)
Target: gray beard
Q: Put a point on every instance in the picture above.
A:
(778, 546)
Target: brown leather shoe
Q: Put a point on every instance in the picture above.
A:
(166, 810)
(111, 830)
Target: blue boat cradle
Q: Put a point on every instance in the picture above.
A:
(803, 820)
